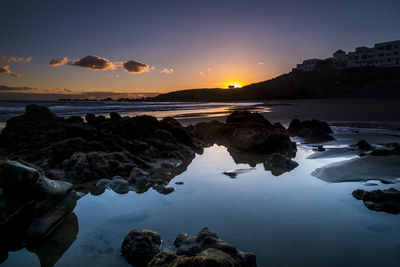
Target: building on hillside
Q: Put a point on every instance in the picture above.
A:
(339, 55)
(361, 57)
(308, 64)
(385, 54)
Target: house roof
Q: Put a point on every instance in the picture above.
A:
(340, 51)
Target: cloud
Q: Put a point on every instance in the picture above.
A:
(59, 62)
(15, 59)
(6, 70)
(99, 63)
(94, 62)
(12, 88)
(201, 73)
(135, 67)
(167, 71)
(260, 63)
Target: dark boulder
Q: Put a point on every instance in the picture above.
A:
(363, 145)
(310, 130)
(140, 246)
(31, 205)
(387, 200)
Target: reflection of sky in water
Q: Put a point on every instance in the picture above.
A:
(290, 220)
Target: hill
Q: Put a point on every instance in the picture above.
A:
(323, 82)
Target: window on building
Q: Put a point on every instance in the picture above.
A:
(389, 60)
(388, 47)
(381, 55)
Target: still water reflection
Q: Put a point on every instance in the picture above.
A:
(289, 220)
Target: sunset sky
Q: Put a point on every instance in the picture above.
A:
(160, 46)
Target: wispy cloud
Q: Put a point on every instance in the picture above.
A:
(167, 71)
(260, 63)
(15, 59)
(6, 70)
(24, 93)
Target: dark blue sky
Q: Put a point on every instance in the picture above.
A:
(205, 43)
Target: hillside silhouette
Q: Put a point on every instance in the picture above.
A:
(323, 82)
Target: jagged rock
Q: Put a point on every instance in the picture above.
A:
(363, 145)
(140, 246)
(310, 130)
(247, 131)
(98, 165)
(387, 200)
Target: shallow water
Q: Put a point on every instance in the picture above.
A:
(293, 219)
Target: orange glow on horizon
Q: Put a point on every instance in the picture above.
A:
(234, 83)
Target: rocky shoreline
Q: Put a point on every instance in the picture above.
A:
(48, 162)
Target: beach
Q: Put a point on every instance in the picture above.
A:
(304, 216)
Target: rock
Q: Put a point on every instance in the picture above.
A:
(234, 173)
(162, 189)
(163, 258)
(74, 119)
(117, 184)
(204, 249)
(194, 245)
(207, 258)
(319, 149)
(363, 145)
(387, 200)
(261, 142)
(114, 116)
(310, 130)
(279, 164)
(31, 204)
(140, 246)
(178, 183)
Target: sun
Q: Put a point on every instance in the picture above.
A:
(233, 84)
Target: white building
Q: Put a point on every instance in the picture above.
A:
(387, 54)
(381, 55)
(308, 64)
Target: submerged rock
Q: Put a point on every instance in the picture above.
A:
(387, 200)
(142, 248)
(311, 130)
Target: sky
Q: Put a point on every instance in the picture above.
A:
(141, 47)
